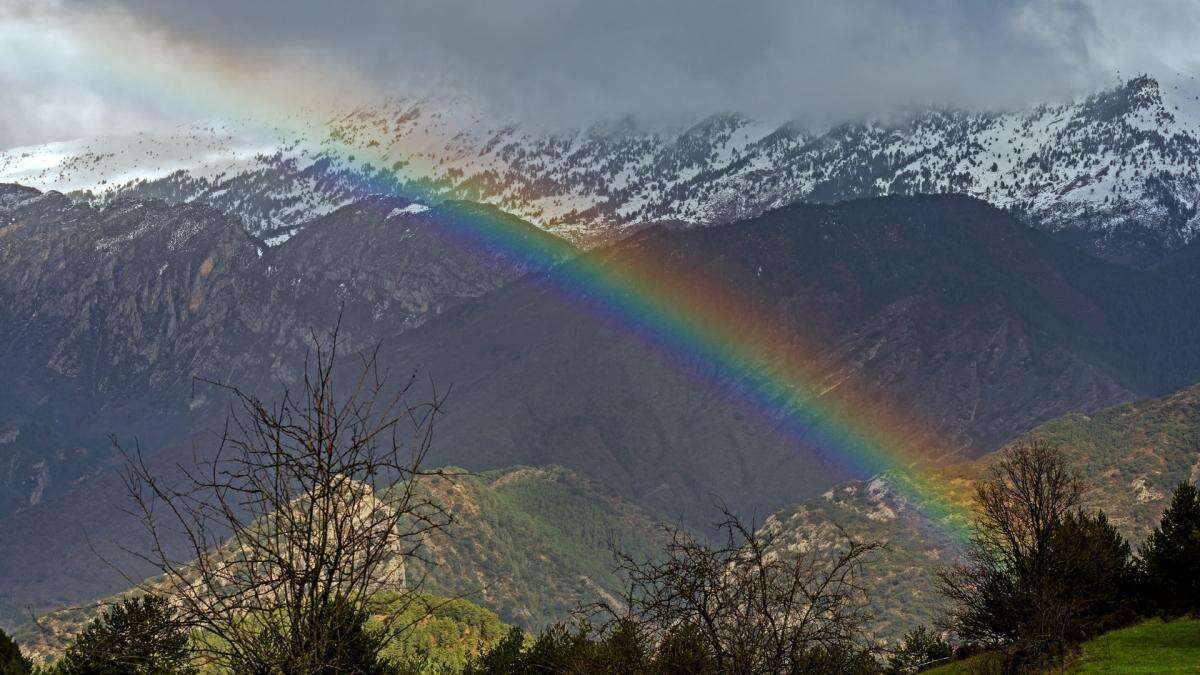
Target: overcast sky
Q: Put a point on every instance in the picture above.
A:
(575, 61)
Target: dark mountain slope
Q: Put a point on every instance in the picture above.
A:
(104, 317)
(107, 314)
(979, 327)
(944, 308)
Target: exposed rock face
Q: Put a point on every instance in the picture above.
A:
(104, 317)
(124, 297)
(107, 314)
(900, 580)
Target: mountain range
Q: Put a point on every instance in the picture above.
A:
(1114, 173)
(977, 325)
(987, 276)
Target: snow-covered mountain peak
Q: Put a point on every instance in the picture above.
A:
(1115, 172)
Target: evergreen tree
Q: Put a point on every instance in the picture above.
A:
(345, 643)
(684, 649)
(1170, 557)
(920, 648)
(504, 657)
(1095, 570)
(12, 661)
(140, 636)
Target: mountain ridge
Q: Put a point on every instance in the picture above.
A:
(977, 326)
(1130, 458)
(1114, 173)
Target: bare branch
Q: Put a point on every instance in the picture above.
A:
(308, 501)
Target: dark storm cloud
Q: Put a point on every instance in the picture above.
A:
(571, 59)
(574, 61)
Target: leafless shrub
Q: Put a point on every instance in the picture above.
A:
(751, 605)
(1010, 589)
(309, 508)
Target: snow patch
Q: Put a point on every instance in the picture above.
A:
(410, 209)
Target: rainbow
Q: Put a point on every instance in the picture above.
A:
(692, 321)
(701, 321)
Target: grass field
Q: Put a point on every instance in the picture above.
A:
(1148, 647)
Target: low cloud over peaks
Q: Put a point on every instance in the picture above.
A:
(572, 62)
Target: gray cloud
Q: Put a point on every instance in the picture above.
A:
(574, 60)
(36, 113)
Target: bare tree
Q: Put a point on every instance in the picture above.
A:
(309, 508)
(1009, 588)
(753, 605)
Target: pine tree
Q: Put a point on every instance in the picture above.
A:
(12, 661)
(1170, 558)
(919, 648)
(140, 635)
(345, 644)
(1094, 569)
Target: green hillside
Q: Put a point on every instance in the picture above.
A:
(1131, 457)
(532, 543)
(445, 635)
(1148, 647)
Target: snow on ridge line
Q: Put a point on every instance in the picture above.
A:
(410, 209)
(278, 239)
(1058, 161)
